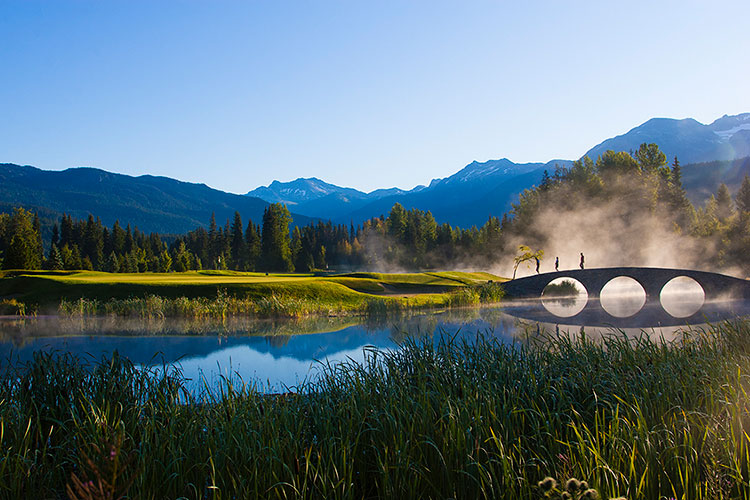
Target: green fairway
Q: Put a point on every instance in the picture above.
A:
(283, 294)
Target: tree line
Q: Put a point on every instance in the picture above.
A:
(402, 240)
(633, 188)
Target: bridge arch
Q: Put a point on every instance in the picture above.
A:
(622, 296)
(564, 296)
(682, 297)
(653, 280)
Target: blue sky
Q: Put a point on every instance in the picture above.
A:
(361, 94)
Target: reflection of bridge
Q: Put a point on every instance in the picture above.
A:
(652, 279)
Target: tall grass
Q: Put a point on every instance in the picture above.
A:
(272, 305)
(639, 418)
(13, 307)
(224, 305)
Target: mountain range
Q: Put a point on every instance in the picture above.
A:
(466, 198)
(154, 204)
(727, 138)
(710, 154)
(479, 190)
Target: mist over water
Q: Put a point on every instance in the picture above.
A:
(622, 297)
(276, 356)
(565, 304)
(682, 297)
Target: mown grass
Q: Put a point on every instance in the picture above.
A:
(219, 294)
(638, 418)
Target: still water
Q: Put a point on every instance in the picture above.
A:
(277, 355)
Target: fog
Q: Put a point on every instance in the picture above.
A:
(618, 232)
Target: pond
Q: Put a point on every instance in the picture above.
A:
(278, 355)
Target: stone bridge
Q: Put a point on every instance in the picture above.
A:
(652, 279)
(716, 287)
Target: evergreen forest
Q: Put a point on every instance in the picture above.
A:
(633, 187)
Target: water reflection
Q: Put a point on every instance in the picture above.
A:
(622, 297)
(682, 297)
(276, 355)
(564, 297)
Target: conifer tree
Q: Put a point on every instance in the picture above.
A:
(252, 243)
(55, 262)
(238, 248)
(676, 173)
(22, 241)
(724, 204)
(743, 196)
(275, 252)
(113, 265)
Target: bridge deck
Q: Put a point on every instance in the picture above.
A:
(652, 279)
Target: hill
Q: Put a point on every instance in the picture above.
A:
(727, 138)
(701, 180)
(158, 204)
(465, 198)
(708, 153)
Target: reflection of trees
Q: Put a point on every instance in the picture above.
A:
(565, 288)
(398, 334)
(563, 301)
(278, 341)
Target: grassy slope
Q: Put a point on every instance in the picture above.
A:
(47, 289)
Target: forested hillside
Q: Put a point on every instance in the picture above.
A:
(154, 204)
(621, 209)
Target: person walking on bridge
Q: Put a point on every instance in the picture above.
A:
(537, 264)
(581, 260)
(557, 264)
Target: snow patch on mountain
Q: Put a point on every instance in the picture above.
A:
(726, 134)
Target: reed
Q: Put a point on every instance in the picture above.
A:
(438, 418)
(13, 307)
(272, 305)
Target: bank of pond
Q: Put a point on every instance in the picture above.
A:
(217, 294)
(450, 416)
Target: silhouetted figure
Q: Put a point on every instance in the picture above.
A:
(557, 263)
(581, 260)
(537, 264)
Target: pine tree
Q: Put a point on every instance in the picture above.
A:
(165, 262)
(55, 235)
(214, 243)
(238, 248)
(113, 265)
(275, 252)
(86, 264)
(724, 204)
(23, 241)
(743, 196)
(66, 231)
(651, 159)
(546, 181)
(93, 243)
(297, 251)
(252, 243)
(76, 262)
(676, 173)
(55, 261)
